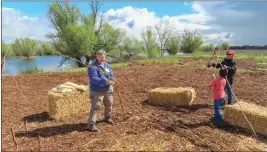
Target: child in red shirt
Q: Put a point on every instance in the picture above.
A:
(218, 96)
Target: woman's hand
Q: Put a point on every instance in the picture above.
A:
(110, 82)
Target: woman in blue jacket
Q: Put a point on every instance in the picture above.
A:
(101, 89)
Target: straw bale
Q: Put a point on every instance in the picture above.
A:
(172, 96)
(257, 116)
(68, 99)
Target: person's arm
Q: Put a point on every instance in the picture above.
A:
(92, 74)
(232, 68)
(212, 84)
(219, 65)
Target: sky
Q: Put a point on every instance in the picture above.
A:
(239, 23)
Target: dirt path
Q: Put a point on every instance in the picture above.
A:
(159, 128)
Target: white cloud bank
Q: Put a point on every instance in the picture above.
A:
(239, 23)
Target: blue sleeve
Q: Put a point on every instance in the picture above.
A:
(93, 76)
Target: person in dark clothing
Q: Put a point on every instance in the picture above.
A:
(229, 64)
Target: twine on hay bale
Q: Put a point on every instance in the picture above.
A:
(257, 116)
(68, 99)
(172, 96)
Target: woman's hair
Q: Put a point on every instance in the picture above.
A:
(223, 72)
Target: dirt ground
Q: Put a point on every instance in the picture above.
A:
(148, 128)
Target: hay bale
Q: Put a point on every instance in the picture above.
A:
(257, 116)
(172, 96)
(68, 99)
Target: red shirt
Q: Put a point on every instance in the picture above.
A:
(218, 85)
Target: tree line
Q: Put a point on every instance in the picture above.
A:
(80, 35)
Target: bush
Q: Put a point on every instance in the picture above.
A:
(5, 48)
(225, 46)
(190, 42)
(25, 47)
(172, 46)
(208, 48)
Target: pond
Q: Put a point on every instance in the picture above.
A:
(45, 63)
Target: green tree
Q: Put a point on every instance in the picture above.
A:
(225, 46)
(25, 47)
(164, 31)
(149, 43)
(71, 38)
(172, 45)
(110, 37)
(47, 48)
(190, 41)
(6, 48)
(208, 48)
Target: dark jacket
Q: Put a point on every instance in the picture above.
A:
(97, 79)
(231, 64)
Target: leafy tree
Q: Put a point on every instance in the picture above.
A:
(190, 41)
(172, 45)
(25, 47)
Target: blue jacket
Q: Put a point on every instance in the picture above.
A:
(97, 79)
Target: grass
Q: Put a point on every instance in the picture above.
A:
(241, 54)
(30, 71)
(118, 65)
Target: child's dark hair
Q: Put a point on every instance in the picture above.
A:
(223, 72)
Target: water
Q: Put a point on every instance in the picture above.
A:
(46, 63)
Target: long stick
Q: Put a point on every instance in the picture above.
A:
(239, 103)
(14, 139)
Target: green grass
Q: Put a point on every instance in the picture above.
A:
(169, 59)
(30, 71)
(246, 54)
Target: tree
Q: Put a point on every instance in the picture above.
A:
(71, 39)
(208, 48)
(110, 37)
(190, 41)
(172, 45)
(47, 48)
(149, 43)
(25, 47)
(97, 22)
(225, 46)
(6, 48)
(164, 32)
(132, 45)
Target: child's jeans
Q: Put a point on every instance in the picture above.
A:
(218, 119)
(229, 93)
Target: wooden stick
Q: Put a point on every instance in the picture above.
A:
(14, 139)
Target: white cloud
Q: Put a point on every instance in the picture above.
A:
(243, 22)
(16, 25)
(143, 18)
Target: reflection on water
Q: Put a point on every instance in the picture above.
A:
(45, 63)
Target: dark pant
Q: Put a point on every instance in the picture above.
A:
(217, 118)
(229, 93)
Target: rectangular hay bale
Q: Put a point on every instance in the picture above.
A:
(67, 100)
(172, 96)
(256, 115)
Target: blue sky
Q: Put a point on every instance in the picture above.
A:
(242, 22)
(39, 9)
